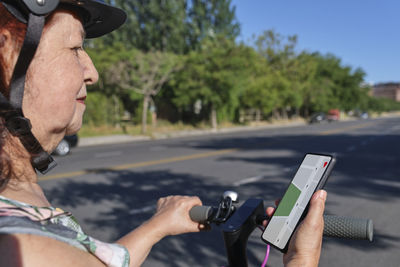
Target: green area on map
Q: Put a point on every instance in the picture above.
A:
(288, 201)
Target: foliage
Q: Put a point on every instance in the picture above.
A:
(262, 89)
(177, 26)
(210, 18)
(178, 59)
(284, 71)
(213, 77)
(101, 110)
(139, 75)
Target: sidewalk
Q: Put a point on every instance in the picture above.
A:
(115, 139)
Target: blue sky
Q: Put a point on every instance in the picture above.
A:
(363, 33)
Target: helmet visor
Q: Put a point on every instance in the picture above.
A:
(98, 17)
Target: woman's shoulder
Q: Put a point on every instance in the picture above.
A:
(34, 250)
(39, 225)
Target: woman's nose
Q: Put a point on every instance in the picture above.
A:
(91, 75)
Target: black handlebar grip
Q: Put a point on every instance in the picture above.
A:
(347, 227)
(200, 213)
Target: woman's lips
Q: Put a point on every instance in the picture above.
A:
(81, 99)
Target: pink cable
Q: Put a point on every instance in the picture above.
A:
(266, 256)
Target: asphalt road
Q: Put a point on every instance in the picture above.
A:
(112, 189)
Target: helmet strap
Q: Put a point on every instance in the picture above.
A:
(16, 123)
(28, 50)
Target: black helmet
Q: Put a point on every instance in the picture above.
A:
(98, 19)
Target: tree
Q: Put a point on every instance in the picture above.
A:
(105, 57)
(328, 84)
(145, 73)
(210, 18)
(261, 92)
(152, 25)
(344, 84)
(177, 26)
(311, 82)
(279, 52)
(277, 49)
(171, 26)
(314, 92)
(214, 77)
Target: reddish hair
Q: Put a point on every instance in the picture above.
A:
(18, 31)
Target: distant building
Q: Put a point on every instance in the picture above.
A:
(387, 90)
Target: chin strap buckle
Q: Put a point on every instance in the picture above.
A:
(18, 125)
(43, 162)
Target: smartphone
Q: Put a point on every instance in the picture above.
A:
(310, 177)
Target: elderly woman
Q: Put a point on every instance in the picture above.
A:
(44, 72)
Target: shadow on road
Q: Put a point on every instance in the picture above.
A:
(368, 173)
(366, 169)
(131, 194)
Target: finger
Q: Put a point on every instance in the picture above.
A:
(160, 202)
(265, 223)
(196, 200)
(204, 227)
(191, 202)
(317, 206)
(270, 211)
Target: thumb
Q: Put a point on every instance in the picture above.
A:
(317, 206)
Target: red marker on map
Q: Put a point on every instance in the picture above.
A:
(326, 163)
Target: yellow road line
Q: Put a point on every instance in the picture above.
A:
(182, 158)
(141, 164)
(62, 175)
(345, 129)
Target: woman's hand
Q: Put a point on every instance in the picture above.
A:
(172, 216)
(305, 245)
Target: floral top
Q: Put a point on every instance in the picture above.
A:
(21, 218)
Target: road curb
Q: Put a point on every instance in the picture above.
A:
(110, 139)
(115, 139)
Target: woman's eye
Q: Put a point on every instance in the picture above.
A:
(77, 49)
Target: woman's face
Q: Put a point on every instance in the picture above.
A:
(55, 91)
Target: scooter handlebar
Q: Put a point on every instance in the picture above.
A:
(335, 226)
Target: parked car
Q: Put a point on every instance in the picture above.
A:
(333, 115)
(64, 147)
(318, 117)
(359, 114)
(364, 115)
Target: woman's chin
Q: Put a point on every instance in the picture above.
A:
(73, 131)
(74, 127)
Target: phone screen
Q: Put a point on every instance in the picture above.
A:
(310, 176)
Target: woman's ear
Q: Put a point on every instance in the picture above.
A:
(5, 37)
(8, 53)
